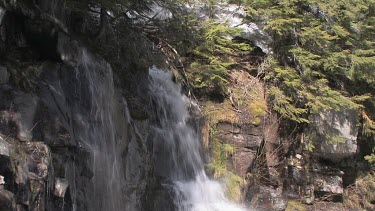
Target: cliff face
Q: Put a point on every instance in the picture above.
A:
(272, 164)
(267, 164)
(66, 129)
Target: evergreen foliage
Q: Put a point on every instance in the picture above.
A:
(212, 60)
(322, 50)
(323, 56)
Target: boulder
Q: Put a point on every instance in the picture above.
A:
(61, 185)
(334, 134)
(328, 184)
(268, 198)
(234, 16)
(327, 179)
(4, 75)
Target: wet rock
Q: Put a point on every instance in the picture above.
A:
(9, 123)
(25, 104)
(334, 134)
(4, 148)
(2, 13)
(7, 202)
(4, 75)
(160, 196)
(38, 158)
(19, 120)
(61, 185)
(5, 163)
(69, 50)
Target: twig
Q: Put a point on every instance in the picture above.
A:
(35, 125)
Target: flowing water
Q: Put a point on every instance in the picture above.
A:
(84, 98)
(100, 136)
(177, 151)
(86, 102)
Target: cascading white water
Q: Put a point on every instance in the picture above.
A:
(96, 132)
(177, 151)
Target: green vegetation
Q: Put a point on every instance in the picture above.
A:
(233, 184)
(323, 57)
(211, 58)
(369, 133)
(322, 52)
(295, 206)
(361, 195)
(220, 153)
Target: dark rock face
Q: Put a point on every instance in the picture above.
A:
(58, 102)
(7, 201)
(4, 75)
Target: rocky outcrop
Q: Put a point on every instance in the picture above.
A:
(234, 16)
(65, 129)
(246, 139)
(334, 134)
(310, 165)
(320, 169)
(242, 124)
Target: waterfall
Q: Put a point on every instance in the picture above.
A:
(84, 98)
(177, 150)
(99, 136)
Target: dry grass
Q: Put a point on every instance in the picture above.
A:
(361, 195)
(223, 112)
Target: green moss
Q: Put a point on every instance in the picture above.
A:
(228, 149)
(256, 121)
(295, 206)
(233, 185)
(219, 154)
(258, 108)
